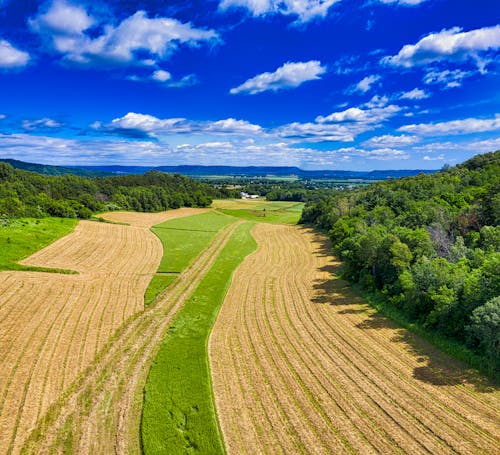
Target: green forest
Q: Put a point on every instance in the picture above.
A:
(30, 194)
(429, 245)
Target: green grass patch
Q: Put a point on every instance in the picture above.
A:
(23, 237)
(179, 414)
(156, 287)
(266, 215)
(185, 238)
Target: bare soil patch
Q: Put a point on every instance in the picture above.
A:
(301, 364)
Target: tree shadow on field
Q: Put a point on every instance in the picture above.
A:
(432, 365)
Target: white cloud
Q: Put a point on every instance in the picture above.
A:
(2, 116)
(305, 10)
(390, 141)
(230, 126)
(464, 126)
(41, 123)
(451, 45)
(288, 76)
(341, 126)
(377, 101)
(415, 94)
(434, 158)
(368, 116)
(314, 132)
(403, 2)
(141, 125)
(447, 78)
(161, 76)
(63, 18)
(65, 27)
(386, 154)
(10, 57)
(365, 84)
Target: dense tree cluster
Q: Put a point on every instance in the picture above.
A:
(30, 194)
(430, 244)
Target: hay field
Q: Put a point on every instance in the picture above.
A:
(52, 326)
(101, 411)
(300, 364)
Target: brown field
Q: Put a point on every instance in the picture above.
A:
(149, 219)
(301, 364)
(100, 414)
(52, 326)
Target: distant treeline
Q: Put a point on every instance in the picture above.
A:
(29, 194)
(280, 190)
(430, 244)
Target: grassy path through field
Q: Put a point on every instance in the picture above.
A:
(179, 414)
(101, 412)
(301, 364)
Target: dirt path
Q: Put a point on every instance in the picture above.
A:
(52, 326)
(101, 414)
(300, 364)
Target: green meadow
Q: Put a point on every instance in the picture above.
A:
(178, 413)
(22, 237)
(183, 239)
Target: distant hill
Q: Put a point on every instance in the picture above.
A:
(260, 171)
(47, 169)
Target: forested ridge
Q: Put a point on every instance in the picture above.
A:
(29, 194)
(430, 244)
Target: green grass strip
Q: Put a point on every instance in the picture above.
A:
(24, 236)
(184, 238)
(179, 414)
(286, 216)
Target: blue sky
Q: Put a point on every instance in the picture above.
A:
(319, 84)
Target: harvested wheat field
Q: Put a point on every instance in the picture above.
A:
(52, 326)
(101, 412)
(300, 364)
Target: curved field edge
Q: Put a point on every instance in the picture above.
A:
(179, 413)
(183, 240)
(23, 237)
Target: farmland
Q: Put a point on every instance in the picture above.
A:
(301, 364)
(66, 320)
(178, 413)
(260, 210)
(296, 361)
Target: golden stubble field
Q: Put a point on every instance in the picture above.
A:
(52, 326)
(300, 364)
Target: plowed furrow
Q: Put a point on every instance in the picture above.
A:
(99, 413)
(297, 347)
(52, 326)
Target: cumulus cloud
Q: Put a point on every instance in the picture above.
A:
(290, 75)
(434, 158)
(451, 45)
(464, 126)
(305, 10)
(42, 123)
(415, 94)
(11, 57)
(161, 76)
(447, 78)
(365, 84)
(403, 2)
(144, 125)
(390, 141)
(67, 29)
(368, 116)
(342, 126)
